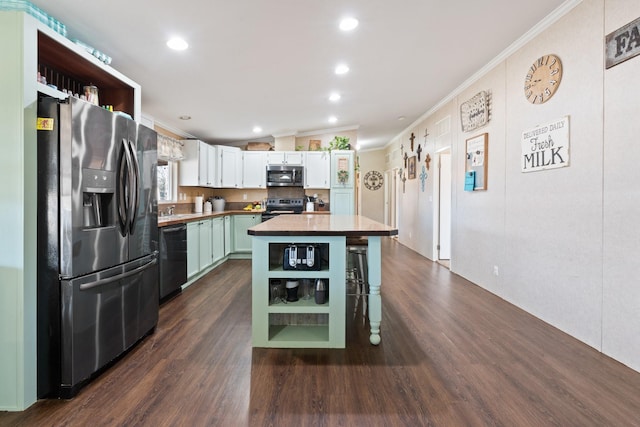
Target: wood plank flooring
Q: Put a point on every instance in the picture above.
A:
(452, 354)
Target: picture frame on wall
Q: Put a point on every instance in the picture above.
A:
(476, 160)
(411, 167)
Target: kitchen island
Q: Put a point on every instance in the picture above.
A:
(303, 323)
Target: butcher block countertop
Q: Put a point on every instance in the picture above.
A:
(182, 218)
(321, 225)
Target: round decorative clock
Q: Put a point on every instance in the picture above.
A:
(373, 180)
(542, 79)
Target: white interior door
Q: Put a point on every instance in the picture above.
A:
(390, 198)
(444, 203)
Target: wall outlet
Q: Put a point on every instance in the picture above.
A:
(496, 271)
(244, 196)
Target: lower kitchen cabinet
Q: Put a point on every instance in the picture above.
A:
(217, 238)
(241, 240)
(199, 246)
(227, 235)
(193, 249)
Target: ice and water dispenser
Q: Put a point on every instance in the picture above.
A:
(97, 198)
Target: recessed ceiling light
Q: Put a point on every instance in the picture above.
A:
(333, 119)
(335, 96)
(342, 69)
(358, 146)
(401, 118)
(184, 117)
(348, 24)
(176, 43)
(257, 129)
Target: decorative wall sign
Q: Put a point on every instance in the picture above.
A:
(412, 167)
(403, 178)
(477, 160)
(373, 180)
(542, 79)
(474, 113)
(423, 177)
(622, 44)
(546, 146)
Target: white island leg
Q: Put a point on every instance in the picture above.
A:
(374, 259)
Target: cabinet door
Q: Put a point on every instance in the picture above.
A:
(242, 241)
(217, 238)
(293, 158)
(192, 170)
(205, 243)
(227, 235)
(317, 166)
(229, 167)
(211, 165)
(193, 249)
(254, 173)
(342, 169)
(342, 202)
(276, 157)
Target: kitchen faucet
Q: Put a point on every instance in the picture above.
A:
(170, 210)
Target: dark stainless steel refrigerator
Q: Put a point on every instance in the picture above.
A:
(97, 241)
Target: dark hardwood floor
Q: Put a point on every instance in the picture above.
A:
(452, 354)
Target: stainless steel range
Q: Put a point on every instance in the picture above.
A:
(280, 206)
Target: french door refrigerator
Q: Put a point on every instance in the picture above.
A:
(97, 241)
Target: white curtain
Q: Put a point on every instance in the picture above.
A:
(169, 148)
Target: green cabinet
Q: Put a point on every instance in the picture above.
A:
(193, 249)
(217, 238)
(199, 246)
(227, 235)
(241, 240)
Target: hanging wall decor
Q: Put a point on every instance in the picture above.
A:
(423, 178)
(406, 157)
(622, 44)
(475, 112)
(373, 180)
(427, 160)
(543, 79)
(476, 160)
(403, 178)
(412, 138)
(418, 151)
(412, 167)
(546, 146)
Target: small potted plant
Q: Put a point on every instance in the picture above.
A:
(339, 143)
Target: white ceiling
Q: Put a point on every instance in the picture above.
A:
(270, 63)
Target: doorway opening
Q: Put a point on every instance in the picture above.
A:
(443, 220)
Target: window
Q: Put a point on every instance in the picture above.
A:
(167, 183)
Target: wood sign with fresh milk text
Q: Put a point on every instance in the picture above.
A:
(546, 146)
(622, 44)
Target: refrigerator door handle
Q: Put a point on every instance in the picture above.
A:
(134, 188)
(112, 279)
(123, 196)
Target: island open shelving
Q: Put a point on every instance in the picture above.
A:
(303, 323)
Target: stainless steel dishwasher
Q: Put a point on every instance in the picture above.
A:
(173, 260)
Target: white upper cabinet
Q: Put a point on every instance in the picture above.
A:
(285, 158)
(198, 166)
(228, 173)
(317, 167)
(254, 165)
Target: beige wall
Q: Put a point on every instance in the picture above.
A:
(371, 202)
(565, 241)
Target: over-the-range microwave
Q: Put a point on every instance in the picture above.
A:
(284, 176)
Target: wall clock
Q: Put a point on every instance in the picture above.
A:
(542, 79)
(373, 180)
